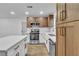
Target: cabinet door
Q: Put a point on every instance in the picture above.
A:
(60, 41)
(69, 40)
(30, 20)
(43, 21)
(61, 12)
(72, 11)
(67, 12)
(72, 39)
(50, 20)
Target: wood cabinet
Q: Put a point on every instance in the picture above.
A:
(43, 21)
(29, 21)
(68, 31)
(72, 10)
(72, 38)
(67, 12)
(61, 12)
(60, 46)
(61, 30)
(50, 21)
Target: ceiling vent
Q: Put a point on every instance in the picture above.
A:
(29, 6)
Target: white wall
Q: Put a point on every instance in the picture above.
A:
(10, 27)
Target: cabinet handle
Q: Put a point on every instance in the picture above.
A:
(62, 31)
(62, 15)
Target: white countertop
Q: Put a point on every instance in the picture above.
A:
(53, 38)
(9, 41)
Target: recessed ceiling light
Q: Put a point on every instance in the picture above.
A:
(41, 12)
(29, 6)
(26, 13)
(12, 13)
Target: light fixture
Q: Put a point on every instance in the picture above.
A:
(12, 13)
(29, 6)
(41, 12)
(26, 13)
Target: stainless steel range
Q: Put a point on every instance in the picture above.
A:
(34, 36)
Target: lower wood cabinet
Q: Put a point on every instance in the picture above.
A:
(43, 21)
(68, 39)
(60, 41)
(72, 38)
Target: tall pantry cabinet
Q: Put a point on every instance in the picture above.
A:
(67, 29)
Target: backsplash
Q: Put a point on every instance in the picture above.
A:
(42, 30)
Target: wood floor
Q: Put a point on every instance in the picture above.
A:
(37, 50)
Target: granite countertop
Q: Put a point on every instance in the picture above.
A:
(9, 41)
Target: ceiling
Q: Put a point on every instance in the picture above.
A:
(21, 8)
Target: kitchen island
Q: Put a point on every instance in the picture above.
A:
(13, 45)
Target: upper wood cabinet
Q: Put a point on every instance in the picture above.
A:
(61, 12)
(67, 12)
(50, 21)
(30, 20)
(43, 21)
(72, 10)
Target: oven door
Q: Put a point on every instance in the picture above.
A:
(32, 36)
